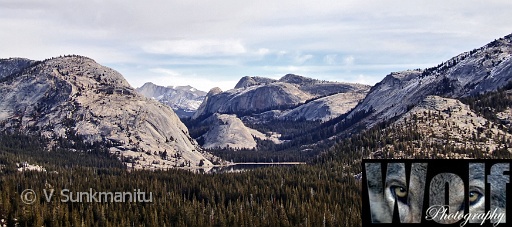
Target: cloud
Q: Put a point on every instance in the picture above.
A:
(212, 41)
(263, 51)
(369, 80)
(202, 47)
(330, 59)
(348, 60)
(167, 72)
(167, 77)
(302, 58)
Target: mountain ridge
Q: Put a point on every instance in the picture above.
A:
(72, 96)
(184, 100)
(262, 94)
(470, 73)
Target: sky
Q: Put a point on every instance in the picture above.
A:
(209, 44)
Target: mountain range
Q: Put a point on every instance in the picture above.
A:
(257, 95)
(74, 98)
(260, 102)
(256, 100)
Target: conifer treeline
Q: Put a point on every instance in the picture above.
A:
(323, 193)
(305, 195)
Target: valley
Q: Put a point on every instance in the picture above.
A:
(88, 128)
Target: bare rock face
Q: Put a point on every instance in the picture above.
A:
(296, 79)
(228, 131)
(252, 99)
(326, 108)
(256, 100)
(13, 66)
(448, 121)
(264, 95)
(248, 81)
(184, 100)
(475, 72)
(69, 97)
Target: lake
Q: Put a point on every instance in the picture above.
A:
(241, 167)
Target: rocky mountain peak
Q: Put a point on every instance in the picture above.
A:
(151, 90)
(87, 69)
(214, 91)
(248, 81)
(75, 97)
(184, 100)
(257, 95)
(148, 85)
(471, 73)
(296, 79)
(185, 88)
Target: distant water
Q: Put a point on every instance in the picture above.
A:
(242, 167)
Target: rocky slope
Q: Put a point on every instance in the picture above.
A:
(257, 95)
(252, 99)
(446, 121)
(184, 100)
(326, 108)
(248, 81)
(258, 100)
(228, 131)
(470, 73)
(74, 97)
(463, 77)
(13, 65)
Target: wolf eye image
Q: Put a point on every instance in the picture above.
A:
(450, 199)
(474, 199)
(384, 195)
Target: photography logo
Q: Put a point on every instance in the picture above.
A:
(435, 192)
